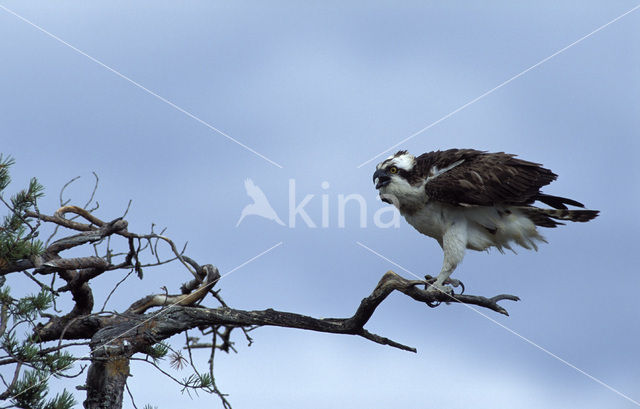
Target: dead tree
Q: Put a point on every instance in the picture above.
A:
(114, 338)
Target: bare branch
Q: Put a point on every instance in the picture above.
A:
(116, 338)
(115, 288)
(64, 187)
(6, 394)
(45, 351)
(177, 319)
(162, 300)
(93, 192)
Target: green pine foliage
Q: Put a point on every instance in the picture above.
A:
(18, 240)
(34, 389)
(31, 306)
(158, 351)
(18, 232)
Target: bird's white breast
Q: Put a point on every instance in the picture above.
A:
(432, 219)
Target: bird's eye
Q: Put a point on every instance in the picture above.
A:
(393, 169)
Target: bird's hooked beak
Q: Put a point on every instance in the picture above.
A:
(381, 178)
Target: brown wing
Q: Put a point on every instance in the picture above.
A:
(482, 178)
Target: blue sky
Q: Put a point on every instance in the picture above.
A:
(320, 88)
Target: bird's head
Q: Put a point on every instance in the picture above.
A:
(395, 177)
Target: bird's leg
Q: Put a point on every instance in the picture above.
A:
(453, 244)
(439, 283)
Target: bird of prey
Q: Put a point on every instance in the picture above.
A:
(470, 199)
(260, 206)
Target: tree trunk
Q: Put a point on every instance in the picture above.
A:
(111, 350)
(105, 383)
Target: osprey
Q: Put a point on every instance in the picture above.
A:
(469, 199)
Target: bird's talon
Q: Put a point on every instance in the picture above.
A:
(440, 288)
(428, 281)
(455, 283)
(433, 304)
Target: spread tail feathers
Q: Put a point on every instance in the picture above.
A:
(545, 217)
(558, 202)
